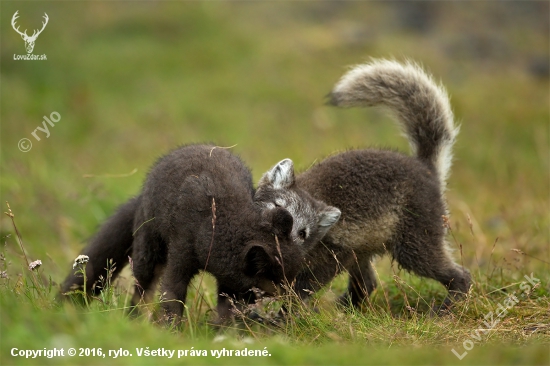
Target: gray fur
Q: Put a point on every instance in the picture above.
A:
(390, 202)
(281, 176)
(312, 218)
(422, 107)
(196, 212)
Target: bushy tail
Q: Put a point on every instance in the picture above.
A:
(422, 107)
(112, 241)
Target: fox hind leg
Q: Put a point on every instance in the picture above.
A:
(180, 269)
(148, 261)
(435, 261)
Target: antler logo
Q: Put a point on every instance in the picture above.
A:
(29, 41)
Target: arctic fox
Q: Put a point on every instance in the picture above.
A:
(196, 212)
(390, 202)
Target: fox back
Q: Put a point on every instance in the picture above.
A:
(390, 202)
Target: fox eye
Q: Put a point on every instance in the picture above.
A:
(276, 204)
(302, 234)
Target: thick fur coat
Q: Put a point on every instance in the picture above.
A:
(390, 202)
(196, 212)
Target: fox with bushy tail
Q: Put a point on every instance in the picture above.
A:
(390, 202)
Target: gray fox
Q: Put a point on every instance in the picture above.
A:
(390, 202)
(196, 212)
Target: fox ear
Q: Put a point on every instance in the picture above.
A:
(329, 216)
(256, 261)
(280, 176)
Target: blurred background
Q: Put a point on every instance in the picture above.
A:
(132, 80)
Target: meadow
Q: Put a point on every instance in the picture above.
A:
(130, 81)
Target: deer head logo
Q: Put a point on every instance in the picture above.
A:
(29, 41)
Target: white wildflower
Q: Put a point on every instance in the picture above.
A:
(34, 265)
(81, 259)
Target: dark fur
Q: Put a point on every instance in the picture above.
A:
(196, 212)
(390, 202)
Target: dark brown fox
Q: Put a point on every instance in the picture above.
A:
(196, 212)
(390, 202)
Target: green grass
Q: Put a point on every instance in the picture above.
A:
(131, 81)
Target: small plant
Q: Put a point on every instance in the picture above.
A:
(38, 288)
(80, 266)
